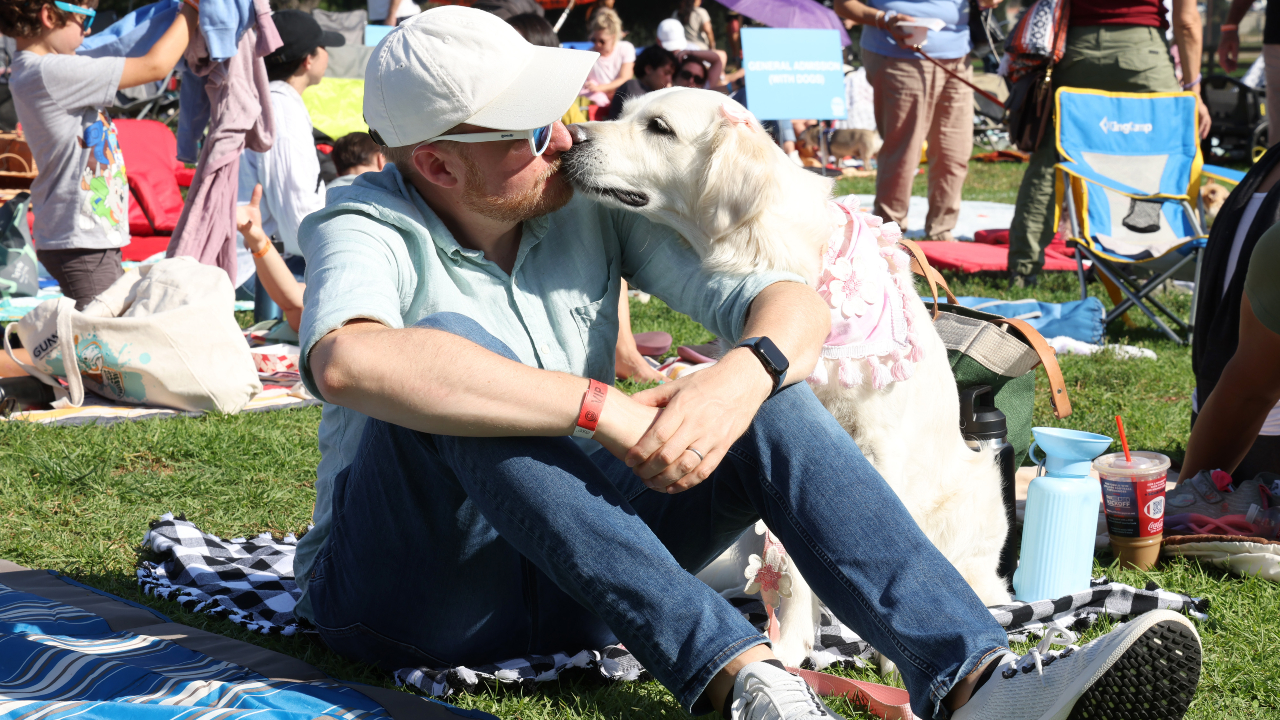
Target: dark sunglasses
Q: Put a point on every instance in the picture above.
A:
(686, 75)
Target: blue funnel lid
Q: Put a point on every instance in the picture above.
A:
(1069, 452)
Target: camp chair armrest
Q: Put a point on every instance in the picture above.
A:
(1084, 172)
(1227, 175)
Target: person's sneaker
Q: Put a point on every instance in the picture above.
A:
(1145, 669)
(1209, 494)
(765, 691)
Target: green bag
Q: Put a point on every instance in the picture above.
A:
(986, 349)
(18, 275)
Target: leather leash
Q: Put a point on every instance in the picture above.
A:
(883, 701)
(955, 75)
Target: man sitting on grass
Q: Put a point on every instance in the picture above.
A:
(461, 319)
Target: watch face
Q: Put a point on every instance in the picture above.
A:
(773, 354)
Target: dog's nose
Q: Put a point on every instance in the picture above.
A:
(578, 133)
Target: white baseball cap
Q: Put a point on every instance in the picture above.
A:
(452, 65)
(671, 35)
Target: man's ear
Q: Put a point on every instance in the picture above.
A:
(379, 161)
(436, 167)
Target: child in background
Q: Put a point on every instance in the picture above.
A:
(617, 57)
(276, 277)
(81, 196)
(353, 155)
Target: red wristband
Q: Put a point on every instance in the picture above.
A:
(592, 404)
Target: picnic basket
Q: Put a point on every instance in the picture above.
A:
(17, 166)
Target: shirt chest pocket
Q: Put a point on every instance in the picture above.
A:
(598, 328)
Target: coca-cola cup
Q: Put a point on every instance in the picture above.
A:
(1133, 499)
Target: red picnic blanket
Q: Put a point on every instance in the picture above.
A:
(990, 253)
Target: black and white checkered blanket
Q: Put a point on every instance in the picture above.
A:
(247, 581)
(250, 581)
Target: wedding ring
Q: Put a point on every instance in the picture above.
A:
(695, 452)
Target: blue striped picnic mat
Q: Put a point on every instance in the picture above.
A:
(60, 661)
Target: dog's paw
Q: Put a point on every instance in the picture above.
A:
(793, 651)
(886, 666)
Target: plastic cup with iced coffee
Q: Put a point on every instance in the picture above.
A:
(1133, 499)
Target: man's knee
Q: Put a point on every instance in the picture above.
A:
(795, 404)
(464, 327)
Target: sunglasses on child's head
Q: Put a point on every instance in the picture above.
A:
(87, 14)
(686, 75)
(539, 138)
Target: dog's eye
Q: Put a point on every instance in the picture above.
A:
(659, 126)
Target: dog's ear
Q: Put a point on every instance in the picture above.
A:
(739, 180)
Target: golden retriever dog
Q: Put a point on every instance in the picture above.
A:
(701, 164)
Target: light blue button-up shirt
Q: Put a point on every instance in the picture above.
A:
(377, 251)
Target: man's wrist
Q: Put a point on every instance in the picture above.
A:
(591, 410)
(755, 373)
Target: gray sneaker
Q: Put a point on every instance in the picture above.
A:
(764, 691)
(1200, 495)
(1145, 669)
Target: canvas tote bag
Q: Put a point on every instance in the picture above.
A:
(1003, 353)
(165, 335)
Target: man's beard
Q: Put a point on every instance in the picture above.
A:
(517, 207)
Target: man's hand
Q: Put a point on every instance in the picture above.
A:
(623, 421)
(1229, 50)
(706, 411)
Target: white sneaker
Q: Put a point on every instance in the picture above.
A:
(1145, 669)
(763, 691)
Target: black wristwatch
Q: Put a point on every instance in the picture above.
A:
(771, 357)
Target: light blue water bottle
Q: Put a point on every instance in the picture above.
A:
(1061, 520)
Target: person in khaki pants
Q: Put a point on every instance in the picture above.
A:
(915, 101)
(1112, 45)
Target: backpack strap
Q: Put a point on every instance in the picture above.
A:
(883, 701)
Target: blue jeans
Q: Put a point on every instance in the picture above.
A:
(462, 551)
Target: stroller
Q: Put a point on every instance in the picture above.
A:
(1239, 132)
(989, 128)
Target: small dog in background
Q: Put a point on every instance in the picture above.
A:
(861, 145)
(1213, 196)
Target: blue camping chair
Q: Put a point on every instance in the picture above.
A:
(1129, 181)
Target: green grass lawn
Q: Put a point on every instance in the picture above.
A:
(79, 500)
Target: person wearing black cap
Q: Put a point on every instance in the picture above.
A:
(289, 172)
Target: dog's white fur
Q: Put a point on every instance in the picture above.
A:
(676, 158)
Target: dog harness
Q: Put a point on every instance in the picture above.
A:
(865, 282)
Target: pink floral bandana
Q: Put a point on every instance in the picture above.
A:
(866, 283)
